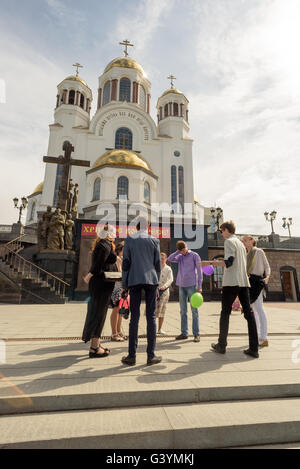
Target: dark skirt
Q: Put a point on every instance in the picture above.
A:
(100, 294)
(257, 285)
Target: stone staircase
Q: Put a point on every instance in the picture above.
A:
(35, 285)
(149, 408)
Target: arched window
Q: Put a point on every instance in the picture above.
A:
(142, 97)
(123, 139)
(71, 97)
(181, 185)
(122, 190)
(175, 109)
(106, 93)
(58, 180)
(166, 110)
(147, 192)
(125, 90)
(82, 101)
(96, 189)
(173, 185)
(32, 211)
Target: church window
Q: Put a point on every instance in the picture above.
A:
(106, 93)
(177, 153)
(71, 97)
(142, 97)
(58, 180)
(173, 185)
(96, 189)
(147, 192)
(125, 90)
(175, 109)
(181, 185)
(123, 139)
(82, 101)
(32, 211)
(122, 190)
(166, 110)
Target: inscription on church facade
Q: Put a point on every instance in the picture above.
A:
(128, 114)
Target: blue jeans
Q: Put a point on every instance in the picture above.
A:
(185, 294)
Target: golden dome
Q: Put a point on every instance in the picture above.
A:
(174, 91)
(122, 158)
(124, 62)
(74, 78)
(38, 189)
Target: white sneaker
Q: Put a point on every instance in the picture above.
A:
(161, 332)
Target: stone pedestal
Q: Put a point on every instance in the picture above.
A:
(17, 229)
(62, 264)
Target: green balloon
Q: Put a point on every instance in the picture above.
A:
(196, 300)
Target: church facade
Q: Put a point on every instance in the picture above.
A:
(131, 157)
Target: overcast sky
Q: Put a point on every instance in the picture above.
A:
(237, 61)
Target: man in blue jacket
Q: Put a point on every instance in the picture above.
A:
(141, 271)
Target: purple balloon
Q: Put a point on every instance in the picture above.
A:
(208, 270)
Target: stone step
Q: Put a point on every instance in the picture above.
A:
(100, 391)
(190, 426)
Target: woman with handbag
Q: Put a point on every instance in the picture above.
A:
(116, 318)
(258, 269)
(166, 280)
(103, 260)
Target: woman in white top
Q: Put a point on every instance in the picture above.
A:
(258, 269)
(166, 280)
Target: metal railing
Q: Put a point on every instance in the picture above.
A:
(28, 270)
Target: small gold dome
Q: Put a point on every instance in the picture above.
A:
(122, 158)
(124, 62)
(38, 189)
(74, 78)
(174, 91)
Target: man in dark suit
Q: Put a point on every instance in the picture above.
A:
(141, 271)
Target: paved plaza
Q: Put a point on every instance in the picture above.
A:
(47, 371)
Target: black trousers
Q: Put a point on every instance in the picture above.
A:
(135, 303)
(228, 296)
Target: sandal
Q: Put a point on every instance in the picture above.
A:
(116, 338)
(124, 337)
(99, 355)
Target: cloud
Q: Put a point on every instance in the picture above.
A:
(247, 125)
(24, 119)
(65, 13)
(139, 23)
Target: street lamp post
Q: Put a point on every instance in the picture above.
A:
(287, 224)
(271, 218)
(23, 205)
(216, 214)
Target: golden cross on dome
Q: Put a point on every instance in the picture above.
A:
(171, 77)
(77, 65)
(127, 44)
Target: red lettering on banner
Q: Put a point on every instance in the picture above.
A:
(122, 231)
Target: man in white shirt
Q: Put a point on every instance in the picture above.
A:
(235, 283)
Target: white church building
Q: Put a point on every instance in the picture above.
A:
(131, 156)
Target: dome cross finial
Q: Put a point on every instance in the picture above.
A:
(77, 65)
(127, 44)
(171, 77)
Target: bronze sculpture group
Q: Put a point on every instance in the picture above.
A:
(55, 229)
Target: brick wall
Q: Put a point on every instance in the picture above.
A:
(277, 259)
